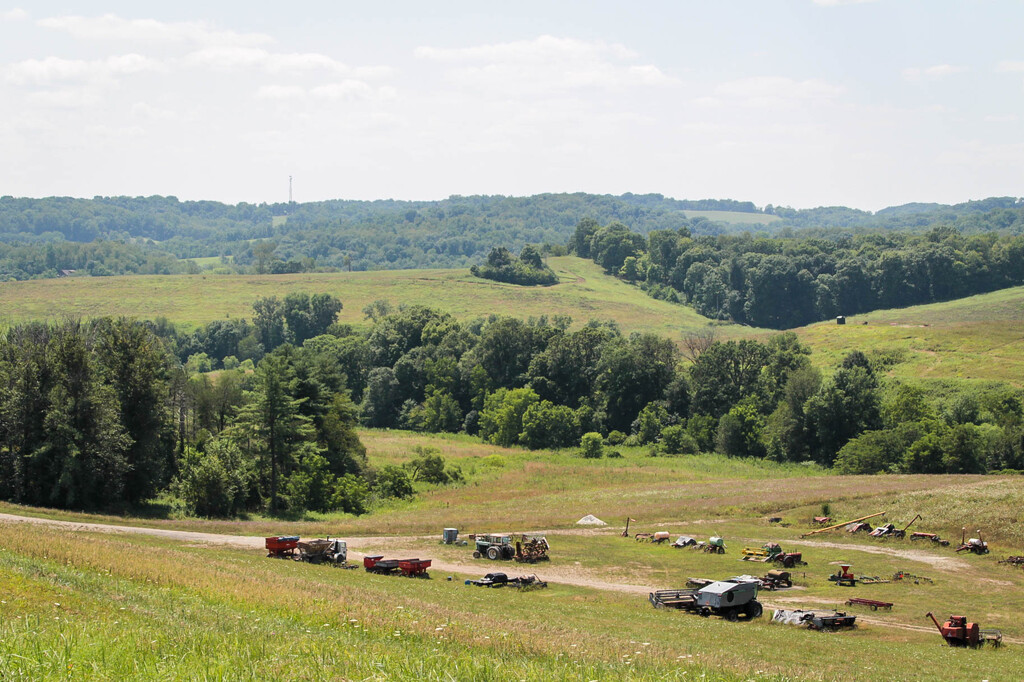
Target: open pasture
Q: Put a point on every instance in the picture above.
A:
(980, 338)
(583, 293)
(976, 338)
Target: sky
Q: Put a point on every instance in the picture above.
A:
(803, 103)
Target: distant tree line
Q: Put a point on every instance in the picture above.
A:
(781, 282)
(366, 235)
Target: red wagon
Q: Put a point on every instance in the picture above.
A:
(282, 546)
(414, 568)
(407, 567)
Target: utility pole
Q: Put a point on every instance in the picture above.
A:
(290, 201)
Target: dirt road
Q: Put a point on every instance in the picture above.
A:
(564, 575)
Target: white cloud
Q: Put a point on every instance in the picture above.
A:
(111, 27)
(235, 57)
(56, 69)
(1009, 67)
(932, 72)
(280, 92)
(773, 92)
(1001, 118)
(545, 63)
(837, 3)
(16, 14)
(350, 89)
(65, 98)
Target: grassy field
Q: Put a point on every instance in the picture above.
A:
(85, 605)
(584, 293)
(980, 338)
(976, 338)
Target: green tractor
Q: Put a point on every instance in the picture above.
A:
(494, 547)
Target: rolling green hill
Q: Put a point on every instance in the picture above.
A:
(584, 293)
(979, 337)
(976, 338)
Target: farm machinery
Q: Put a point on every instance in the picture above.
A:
(891, 531)
(974, 545)
(523, 582)
(772, 552)
(322, 551)
(815, 620)
(497, 546)
(934, 537)
(282, 546)
(714, 545)
(410, 568)
(873, 604)
(959, 633)
(730, 600)
(843, 576)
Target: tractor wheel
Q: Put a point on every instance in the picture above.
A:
(754, 609)
(732, 615)
(493, 553)
(476, 554)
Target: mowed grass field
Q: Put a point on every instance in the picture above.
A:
(86, 605)
(975, 338)
(584, 293)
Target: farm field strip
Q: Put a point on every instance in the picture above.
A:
(572, 572)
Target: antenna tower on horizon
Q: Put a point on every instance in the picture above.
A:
(290, 201)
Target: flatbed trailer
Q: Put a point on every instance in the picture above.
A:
(873, 604)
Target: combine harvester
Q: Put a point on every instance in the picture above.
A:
(959, 633)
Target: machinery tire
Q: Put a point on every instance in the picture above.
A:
(476, 554)
(732, 615)
(754, 609)
(493, 553)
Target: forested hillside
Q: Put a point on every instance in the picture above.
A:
(784, 282)
(364, 235)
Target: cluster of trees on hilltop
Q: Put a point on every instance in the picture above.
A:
(787, 282)
(451, 233)
(529, 269)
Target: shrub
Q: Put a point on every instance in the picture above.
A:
(429, 466)
(392, 481)
(616, 438)
(676, 441)
(591, 445)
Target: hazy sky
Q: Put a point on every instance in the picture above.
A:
(801, 103)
